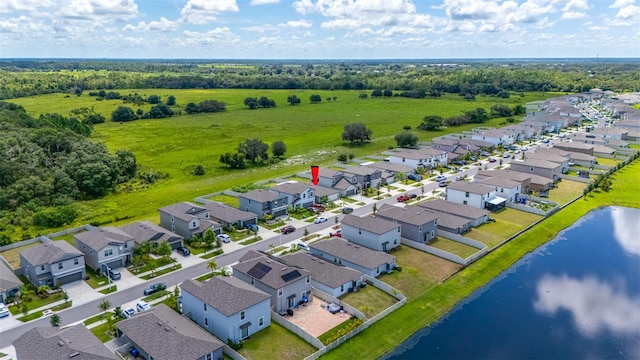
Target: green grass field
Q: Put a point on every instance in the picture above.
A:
(312, 133)
(453, 247)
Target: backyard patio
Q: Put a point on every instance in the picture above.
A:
(315, 319)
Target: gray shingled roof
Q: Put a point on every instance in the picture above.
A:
(184, 210)
(385, 165)
(453, 208)
(452, 221)
(473, 188)
(430, 151)
(291, 188)
(359, 255)
(50, 252)
(409, 214)
(540, 180)
(507, 174)
(499, 181)
(371, 224)
(53, 343)
(410, 154)
(327, 172)
(323, 191)
(98, 238)
(547, 157)
(167, 335)
(228, 295)
(261, 195)
(322, 271)
(228, 213)
(8, 279)
(343, 184)
(272, 278)
(147, 231)
(360, 170)
(572, 145)
(537, 163)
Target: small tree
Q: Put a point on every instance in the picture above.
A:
(66, 297)
(43, 291)
(315, 98)
(278, 148)
(343, 157)
(212, 265)
(406, 139)
(171, 100)
(209, 237)
(254, 150)
(375, 208)
(54, 320)
(104, 306)
(199, 170)
(24, 308)
(293, 99)
(164, 249)
(356, 132)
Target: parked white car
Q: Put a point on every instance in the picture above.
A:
(320, 219)
(4, 312)
(441, 178)
(224, 238)
(142, 306)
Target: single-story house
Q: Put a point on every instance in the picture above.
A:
(588, 139)
(52, 263)
(9, 283)
(298, 194)
(227, 307)
(143, 231)
(287, 286)
(326, 276)
(262, 202)
(160, 333)
(105, 247)
(230, 216)
(321, 192)
(415, 223)
(599, 150)
(543, 168)
(372, 232)
(575, 147)
(563, 161)
(574, 157)
(452, 223)
(475, 194)
(187, 219)
(475, 215)
(357, 257)
(54, 343)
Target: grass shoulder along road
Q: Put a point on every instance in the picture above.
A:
(430, 304)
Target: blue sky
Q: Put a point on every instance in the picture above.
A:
(319, 29)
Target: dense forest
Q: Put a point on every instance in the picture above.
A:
(46, 164)
(21, 78)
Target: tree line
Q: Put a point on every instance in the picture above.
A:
(254, 151)
(476, 116)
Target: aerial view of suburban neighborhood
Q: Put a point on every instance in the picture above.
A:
(201, 208)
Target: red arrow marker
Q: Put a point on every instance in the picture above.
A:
(314, 174)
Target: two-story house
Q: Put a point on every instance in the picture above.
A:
(299, 195)
(52, 263)
(160, 333)
(229, 216)
(365, 176)
(287, 286)
(415, 223)
(475, 215)
(187, 219)
(444, 143)
(227, 307)
(523, 179)
(143, 231)
(105, 247)
(326, 276)
(563, 161)
(371, 232)
(53, 343)
(360, 258)
(475, 194)
(505, 188)
(262, 202)
(496, 137)
(547, 169)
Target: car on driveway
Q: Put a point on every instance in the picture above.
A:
(319, 219)
(142, 306)
(114, 274)
(128, 312)
(347, 210)
(492, 160)
(403, 198)
(252, 227)
(155, 288)
(525, 148)
(441, 178)
(546, 141)
(506, 156)
(183, 250)
(338, 233)
(224, 238)
(414, 177)
(304, 246)
(288, 229)
(4, 312)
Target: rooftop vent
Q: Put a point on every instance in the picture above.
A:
(74, 354)
(61, 343)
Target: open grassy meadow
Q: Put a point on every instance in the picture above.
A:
(311, 132)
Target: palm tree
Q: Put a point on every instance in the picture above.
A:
(104, 306)
(212, 265)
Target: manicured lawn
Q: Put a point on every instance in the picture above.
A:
(157, 295)
(607, 161)
(370, 300)
(13, 256)
(151, 264)
(102, 332)
(388, 333)
(340, 330)
(95, 281)
(566, 191)
(94, 319)
(453, 247)
(37, 302)
(212, 254)
(206, 276)
(109, 290)
(508, 222)
(68, 238)
(226, 199)
(251, 240)
(162, 272)
(275, 343)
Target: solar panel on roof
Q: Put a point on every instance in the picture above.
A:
(291, 275)
(259, 270)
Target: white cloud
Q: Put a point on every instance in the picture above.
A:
(102, 11)
(23, 5)
(204, 11)
(574, 9)
(571, 15)
(621, 3)
(263, 2)
(162, 25)
(23, 25)
(296, 24)
(628, 12)
(353, 8)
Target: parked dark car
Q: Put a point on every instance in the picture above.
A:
(114, 274)
(252, 227)
(155, 288)
(183, 250)
(414, 177)
(288, 229)
(347, 210)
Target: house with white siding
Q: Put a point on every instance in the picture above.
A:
(372, 232)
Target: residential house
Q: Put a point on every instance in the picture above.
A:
(321, 193)
(496, 137)
(393, 169)
(523, 179)
(505, 188)
(475, 194)
(588, 139)
(52, 263)
(541, 184)
(9, 283)
(299, 195)
(475, 215)
(415, 223)
(611, 133)
(228, 216)
(601, 150)
(574, 157)
(446, 144)
(521, 132)
(160, 333)
(563, 161)
(326, 276)
(345, 184)
(227, 307)
(477, 146)
(74, 342)
(187, 220)
(143, 231)
(287, 286)
(543, 168)
(371, 232)
(615, 143)
(452, 223)
(365, 176)
(262, 202)
(354, 256)
(436, 156)
(412, 159)
(105, 247)
(575, 147)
